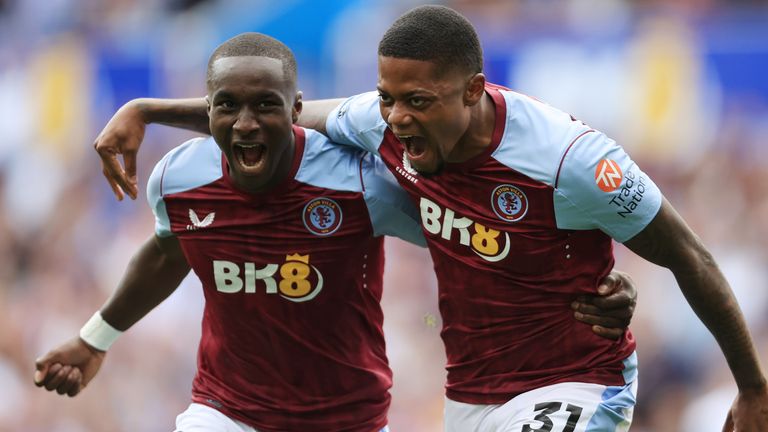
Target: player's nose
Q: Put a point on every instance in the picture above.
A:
(398, 117)
(246, 123)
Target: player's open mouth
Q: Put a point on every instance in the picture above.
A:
(415, 146)
(250, 156)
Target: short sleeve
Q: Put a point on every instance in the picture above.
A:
(598, 186)
(357, 122)
(155, 199)
(391, 211)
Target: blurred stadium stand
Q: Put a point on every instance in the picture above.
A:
(682, 85)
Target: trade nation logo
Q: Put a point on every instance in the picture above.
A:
(608, 175)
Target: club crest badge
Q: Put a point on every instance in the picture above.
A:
(509, 203)
(322, 216)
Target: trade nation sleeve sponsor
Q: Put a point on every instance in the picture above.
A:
(598, 186)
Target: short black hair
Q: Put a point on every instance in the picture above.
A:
(255, 44)
(434, 33)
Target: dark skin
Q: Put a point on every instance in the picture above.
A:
(423, 98)
(666, 241)
(153, 274)
(252, 103)
(609, 313)
(669, 242)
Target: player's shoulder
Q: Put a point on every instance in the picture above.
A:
(192, 164)
(534, 120)
(536, 135)
(327, 164)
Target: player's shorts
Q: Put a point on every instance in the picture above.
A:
(563, 407)
(202, 418)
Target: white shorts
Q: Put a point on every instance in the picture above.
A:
(202, 418)
(564, 407)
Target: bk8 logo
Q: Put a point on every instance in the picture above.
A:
(485, 242)
(295, 283)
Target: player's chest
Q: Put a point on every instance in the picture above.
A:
(301, 214)
(489, 211)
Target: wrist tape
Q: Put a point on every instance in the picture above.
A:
(99, 333)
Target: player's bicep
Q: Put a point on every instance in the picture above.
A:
(315, 113)
(667, 241)
(169, 250)
(598, 186)
(357, 122)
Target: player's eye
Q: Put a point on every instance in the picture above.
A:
(226, 104)
(418, 102)
(267, 105)
(385, 99)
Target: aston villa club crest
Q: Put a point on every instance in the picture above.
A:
(509, 203)
(322, 216)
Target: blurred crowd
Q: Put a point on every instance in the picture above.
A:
(680, 84)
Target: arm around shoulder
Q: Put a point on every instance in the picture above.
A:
(124, 134)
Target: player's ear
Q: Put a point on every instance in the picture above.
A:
(475, 89)
(297, 106)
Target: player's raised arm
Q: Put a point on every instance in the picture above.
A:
(154, 272)
(315, 113)
(125, 132)
(669, 242)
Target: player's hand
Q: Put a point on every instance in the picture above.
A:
(749, 412)
(610, 312)
(121, 136)
(68, 368)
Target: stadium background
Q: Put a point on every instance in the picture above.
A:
(683, 87)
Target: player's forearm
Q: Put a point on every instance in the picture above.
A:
(314, 113)
(713, 301)
(152, 275)
(669, 242)
(190, 114)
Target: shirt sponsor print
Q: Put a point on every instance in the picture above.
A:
(295, 279)
(487, 243)
(407, 170)
(322, 216)
(629, 197)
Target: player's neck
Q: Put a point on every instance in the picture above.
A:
(479, 133)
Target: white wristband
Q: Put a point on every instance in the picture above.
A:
(99, 333)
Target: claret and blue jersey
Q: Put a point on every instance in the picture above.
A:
(516, 233)
(292, 329)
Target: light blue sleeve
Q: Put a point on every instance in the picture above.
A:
(600, 187)
(155, 198)
(391, 211)
(357, 122)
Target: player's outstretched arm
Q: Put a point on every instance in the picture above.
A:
(315, 113)
(610, 312)
(154, 272)
(125, 132)
(669, 242)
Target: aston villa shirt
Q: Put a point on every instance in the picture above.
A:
(292, 328)
(516, 234)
